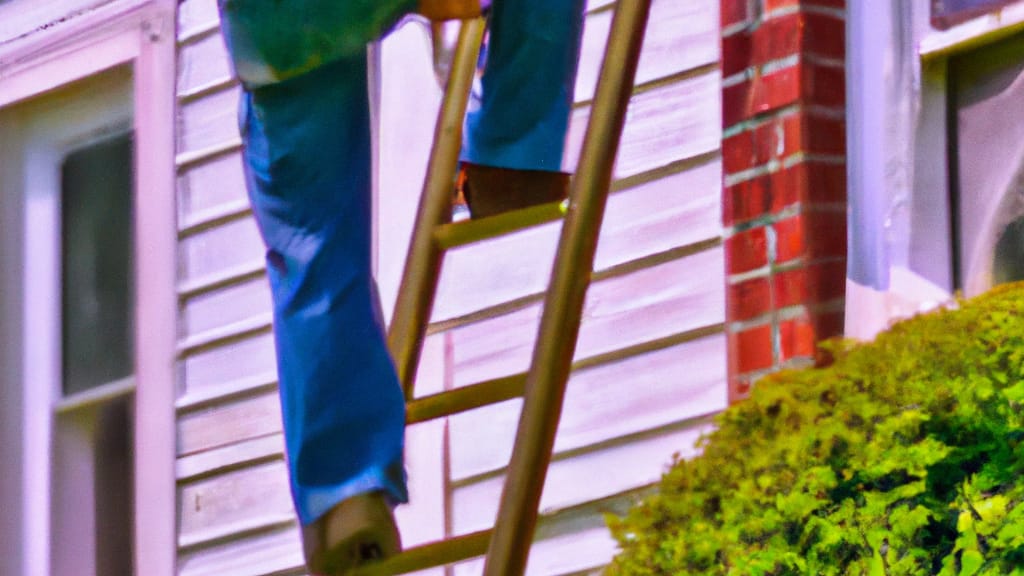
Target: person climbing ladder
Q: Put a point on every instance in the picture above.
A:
(305, 127)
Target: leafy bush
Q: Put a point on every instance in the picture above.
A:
(904, 456)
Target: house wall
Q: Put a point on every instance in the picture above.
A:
(651, 359)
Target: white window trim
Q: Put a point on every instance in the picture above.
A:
(138, 34)
(897, 140)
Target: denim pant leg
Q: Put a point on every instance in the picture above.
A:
(520, 116)
(307, 162)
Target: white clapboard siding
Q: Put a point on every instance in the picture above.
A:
(241, 360)
(212, 508)
(220, 248)
(233, 304)
(221, 425)
(621, 311)
(208, 121)
(203, 63)
(601, 404)
(663, 124)
(276, 551)
(651, 349)
(669, 212)
(209, 187)
(685, 37)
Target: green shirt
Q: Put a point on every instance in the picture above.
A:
(273, 40)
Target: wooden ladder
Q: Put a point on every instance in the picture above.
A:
(507, 545)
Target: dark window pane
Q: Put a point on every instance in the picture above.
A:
(96, 205)
(1009, 259)
(114, 481)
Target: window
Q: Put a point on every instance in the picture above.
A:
(87, 185)
(93, 420)
(986, 128)
(936, 152)
(74, 153)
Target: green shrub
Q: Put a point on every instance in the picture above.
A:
(904, 456)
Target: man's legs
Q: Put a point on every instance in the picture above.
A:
(520, 119)
(307, 157)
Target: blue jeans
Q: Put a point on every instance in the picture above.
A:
(307, 162)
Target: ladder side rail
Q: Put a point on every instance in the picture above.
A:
(423, 261)
(563, 304)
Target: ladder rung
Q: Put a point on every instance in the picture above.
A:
(438, 553)
(469, 231)
(465, 398)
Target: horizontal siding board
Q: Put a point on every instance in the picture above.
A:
(648, 304)
(211, 251)
(602, 403)
(226, 424)
(675, 210)
(580, 478)
(215, 506)
(209, 185)
(196, 15)
(242, 360)
(208, 121)
(664, 124)
(226, 306)
(686, 36)
(651, 217)
(268, 553)
(203, 63)
(222, 459)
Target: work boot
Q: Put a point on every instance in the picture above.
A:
(359, 530)
(490, 191)
(440, 10)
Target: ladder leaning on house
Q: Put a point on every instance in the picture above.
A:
(543, 386)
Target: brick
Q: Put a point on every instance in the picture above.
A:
(738, 152)
(777, 38)
(823, 85)
(826, 183)
(761, 94)
(747, 250)
(739, 389)
(776, 90)
(797, 339)
(810, 235)
(810, 183)
(825, 234)
(749, 299)
(746, 200)
(809, 284)
(735, 102)
(789, 187)
(790, 243)
(829, 325)
(821, 135)
(735, 53)
(751, 349)
(824, 35)
(734, 12)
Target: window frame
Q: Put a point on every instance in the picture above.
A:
(140, 35)
(899, 145)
